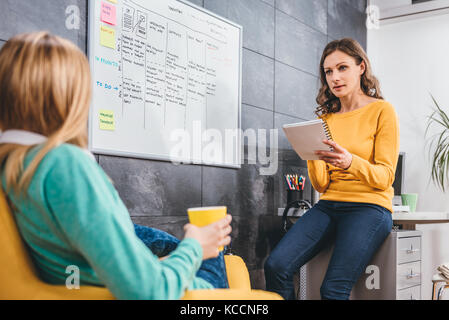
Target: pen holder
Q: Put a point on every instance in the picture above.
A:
(294, 195)
(295, 199)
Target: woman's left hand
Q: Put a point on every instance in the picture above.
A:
(340, 157)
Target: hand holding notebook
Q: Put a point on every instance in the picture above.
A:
(307, 137)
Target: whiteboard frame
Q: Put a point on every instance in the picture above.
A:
(90, 45)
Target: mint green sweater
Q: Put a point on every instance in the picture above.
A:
(72, 215)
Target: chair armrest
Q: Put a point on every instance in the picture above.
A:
(230, 294)
(238, 276)
(60, 292)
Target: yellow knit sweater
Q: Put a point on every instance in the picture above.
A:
(371, 135)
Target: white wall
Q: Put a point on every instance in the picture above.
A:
(411, 59)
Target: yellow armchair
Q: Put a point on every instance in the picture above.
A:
(19, 280)
(239, 285)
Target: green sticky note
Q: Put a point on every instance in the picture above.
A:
(107, 37)
(107, 121)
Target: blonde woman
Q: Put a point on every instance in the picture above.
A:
(354, 211)
(66, 208)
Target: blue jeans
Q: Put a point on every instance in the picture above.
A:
(161, 244)
(357, 229)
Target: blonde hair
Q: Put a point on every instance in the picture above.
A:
(45, 87)
(327, 101)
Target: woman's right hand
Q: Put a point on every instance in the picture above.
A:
(211, 237)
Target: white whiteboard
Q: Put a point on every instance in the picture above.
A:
(166, 82)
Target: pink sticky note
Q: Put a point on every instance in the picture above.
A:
(108, 13)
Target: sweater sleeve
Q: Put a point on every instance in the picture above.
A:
(318, 174)
(381, 172)
(96, 223)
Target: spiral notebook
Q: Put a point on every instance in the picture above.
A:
(307, 137)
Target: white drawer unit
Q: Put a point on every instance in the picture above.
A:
(399, 261)
(413, 293)
(409, 249)
(394, 273)
(408, 275)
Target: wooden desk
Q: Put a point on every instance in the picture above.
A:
(409, 220)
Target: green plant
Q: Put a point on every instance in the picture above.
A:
(439, 146)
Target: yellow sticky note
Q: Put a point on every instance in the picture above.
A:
(113, 1)
(107, 37)
(107, 121)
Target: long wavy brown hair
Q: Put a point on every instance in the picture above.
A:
(45, 87)
(327, 101)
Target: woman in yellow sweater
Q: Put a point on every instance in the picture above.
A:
(355, 179)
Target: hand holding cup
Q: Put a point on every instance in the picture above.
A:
(212, 235)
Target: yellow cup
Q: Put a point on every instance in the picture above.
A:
(204, 216)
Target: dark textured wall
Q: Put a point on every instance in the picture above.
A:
(283, 41)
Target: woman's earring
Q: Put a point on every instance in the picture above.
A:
(372, 91)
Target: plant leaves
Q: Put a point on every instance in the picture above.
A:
(440, 156)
